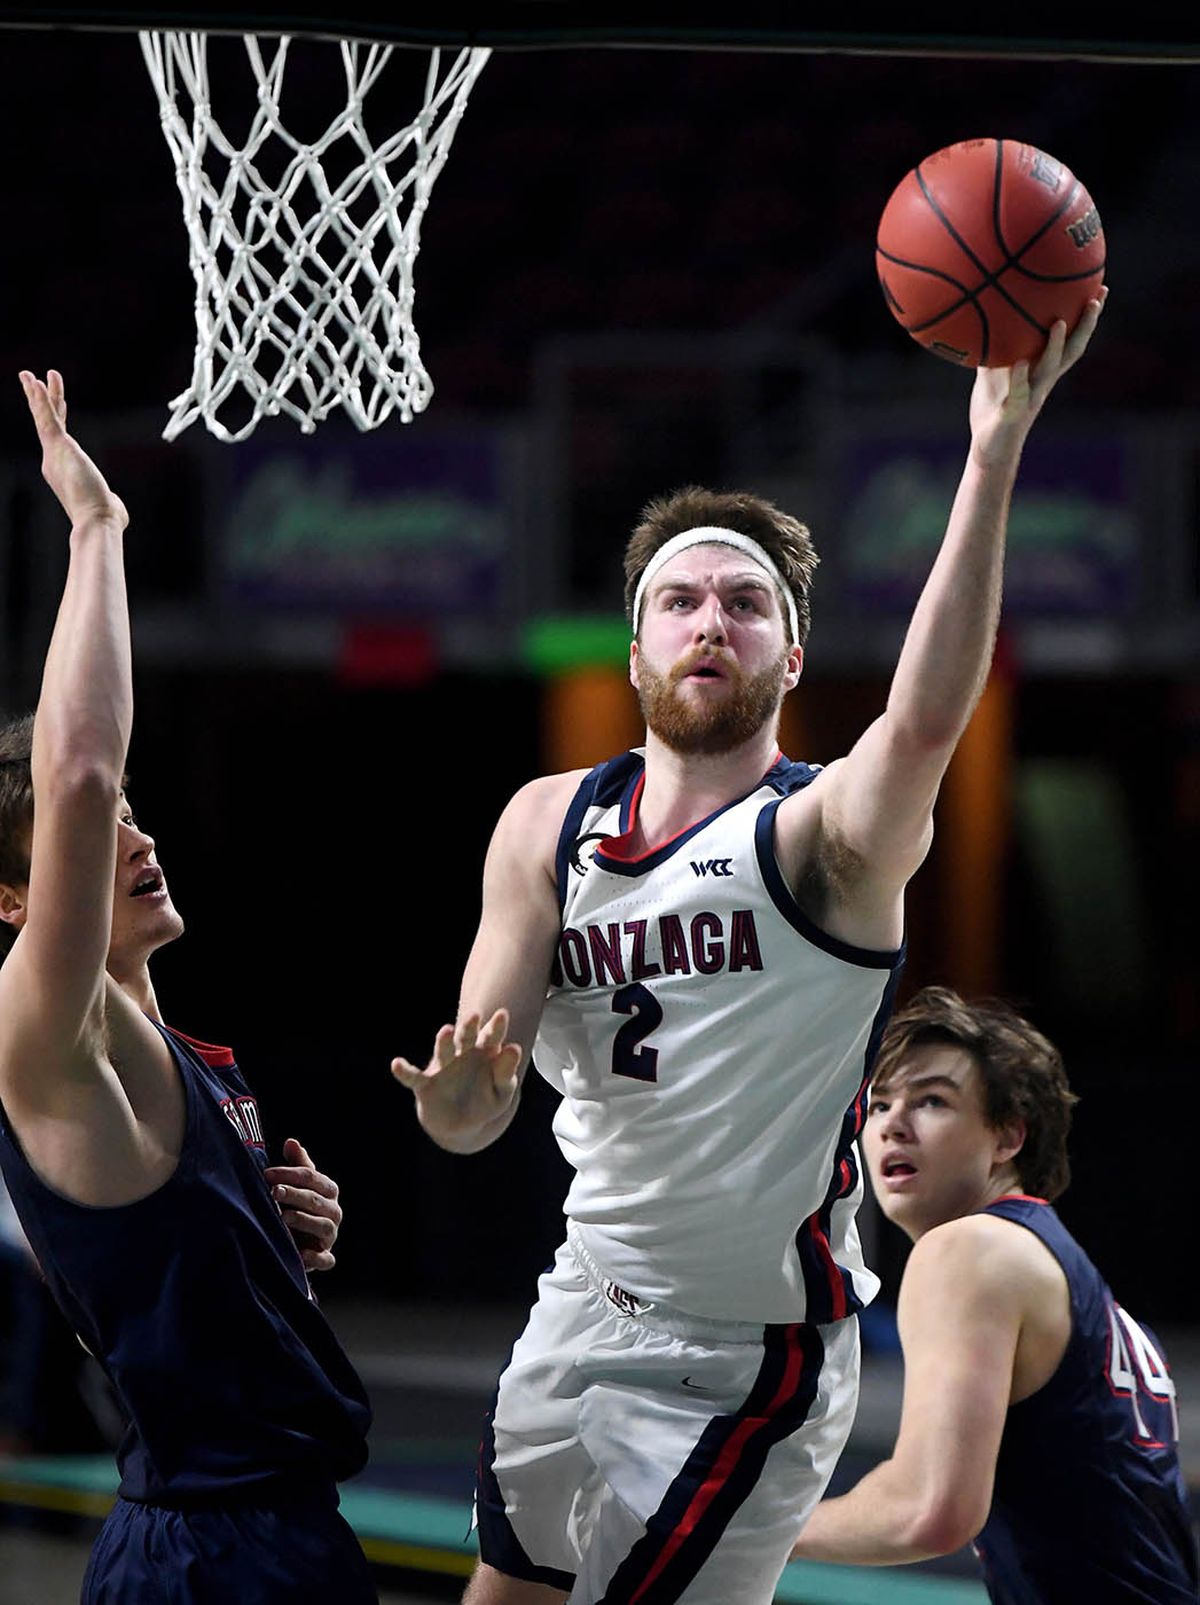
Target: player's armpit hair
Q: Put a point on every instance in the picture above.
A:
(829, 874)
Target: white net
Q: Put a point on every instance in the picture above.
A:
(304, 280)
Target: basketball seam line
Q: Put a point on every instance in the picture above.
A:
(990, 280)
(966, 297)
(1059, 278)
(1015, 260)
(968, 293)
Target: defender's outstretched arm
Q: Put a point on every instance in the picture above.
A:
(52, 985)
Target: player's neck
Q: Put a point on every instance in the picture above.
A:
(1004, 1184)
(136, 984)
(684, 787)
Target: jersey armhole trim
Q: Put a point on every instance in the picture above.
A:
(1025, 1222)
(569, 831)
(781, 895)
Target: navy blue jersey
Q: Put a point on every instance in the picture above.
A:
(1089, 1503)
(196, 1303)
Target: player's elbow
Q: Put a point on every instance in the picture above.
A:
(925, 733)
(81, 781)
(78, 750)
(945, 1522)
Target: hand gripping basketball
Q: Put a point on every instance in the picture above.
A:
(1005, 401)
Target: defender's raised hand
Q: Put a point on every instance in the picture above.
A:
(470, 1082)
(66, 467)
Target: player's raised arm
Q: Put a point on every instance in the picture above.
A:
(467, 1093)
(52, 984)
(960, 1320)
(876, 804)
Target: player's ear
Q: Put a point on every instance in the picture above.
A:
(1010, 1140)
(633, 663)
(14, 905)
(795, 667)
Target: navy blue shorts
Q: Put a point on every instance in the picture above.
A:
(302, 1552)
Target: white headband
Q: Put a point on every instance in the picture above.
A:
(712, 536)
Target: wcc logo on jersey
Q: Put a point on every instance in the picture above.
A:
(712, 866)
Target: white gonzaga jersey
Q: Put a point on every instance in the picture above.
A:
(712, 1047)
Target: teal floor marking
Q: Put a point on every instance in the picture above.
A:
(409, 1518)
(433, 1523)
(92, 1474)
(806, 1583)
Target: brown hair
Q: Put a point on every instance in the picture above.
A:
(785, 540)
(1022, 1072)
(16, 810)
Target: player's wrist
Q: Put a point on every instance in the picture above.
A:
(996, 451)
(456, 1129)
(95, 523)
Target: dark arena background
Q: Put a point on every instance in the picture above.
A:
(649, 260)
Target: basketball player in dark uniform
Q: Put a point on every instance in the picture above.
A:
(135, 1158)
(1039, 1417)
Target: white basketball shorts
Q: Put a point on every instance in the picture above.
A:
(638, 1455)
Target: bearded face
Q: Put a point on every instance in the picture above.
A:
(692, 723)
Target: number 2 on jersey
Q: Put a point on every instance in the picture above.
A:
(629, 1058)
(1132, 1361)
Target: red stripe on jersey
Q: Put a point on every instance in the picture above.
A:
(619, 847)
(725, 1463)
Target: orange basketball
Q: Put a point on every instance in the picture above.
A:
(983, 246)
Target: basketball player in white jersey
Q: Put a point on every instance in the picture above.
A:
(703, 939)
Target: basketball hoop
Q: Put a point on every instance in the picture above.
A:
(303, 307)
